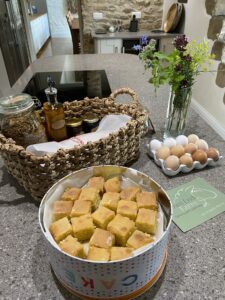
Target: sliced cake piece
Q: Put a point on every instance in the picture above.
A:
(102, 216)
(102, 239)
(83, 227)
(60, 229)
(71, 194)
(122, 228)
(117, 253)
(62, 209)
(146, 220)
(130, 193)
(90, 194)
(97, 183)
(127, 208)
(113, 185)
(139, 239)
(71, 246)
(110, 200)
(80, 208)
(147, 200)
(98, 254)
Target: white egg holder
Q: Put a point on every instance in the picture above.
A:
(182, 168)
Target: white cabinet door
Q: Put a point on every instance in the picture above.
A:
(40, 31)
(109, 46)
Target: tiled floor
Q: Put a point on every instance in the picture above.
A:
(56, 46)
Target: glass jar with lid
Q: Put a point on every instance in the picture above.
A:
(19, 120)
(90, 122)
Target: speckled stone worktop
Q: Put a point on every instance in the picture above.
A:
(196, 259)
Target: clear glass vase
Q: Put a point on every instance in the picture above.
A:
(177, 109)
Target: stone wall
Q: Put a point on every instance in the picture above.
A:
(151, 18)
(216, 32)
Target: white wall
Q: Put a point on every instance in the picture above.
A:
(4, 80)
(207, 95)
(57, 10)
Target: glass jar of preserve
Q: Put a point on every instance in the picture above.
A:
(90, 122)
(74, 127)
(19, 120)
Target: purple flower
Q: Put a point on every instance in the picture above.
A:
(143, 40)
(187, 57)
(180, 42)
(177, 68)
(184, 83)
(137, 47)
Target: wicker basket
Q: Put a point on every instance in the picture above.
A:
(38, 174)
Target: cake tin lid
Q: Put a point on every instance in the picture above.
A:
(15, 103)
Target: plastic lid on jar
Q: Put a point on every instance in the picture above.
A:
(15, 103)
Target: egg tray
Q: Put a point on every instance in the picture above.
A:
(182, 168)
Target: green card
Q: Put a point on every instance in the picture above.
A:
(194, 203)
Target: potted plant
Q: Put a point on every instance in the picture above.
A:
(179, 69)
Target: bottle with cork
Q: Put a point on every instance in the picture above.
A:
(54, 114)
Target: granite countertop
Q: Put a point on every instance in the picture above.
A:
(196, 259)
(133, 35)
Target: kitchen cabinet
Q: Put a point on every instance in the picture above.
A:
(118, 42)
(108, 46)
(40, 31)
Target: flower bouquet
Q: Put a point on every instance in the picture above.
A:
(179, 69)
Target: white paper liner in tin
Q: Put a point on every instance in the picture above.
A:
(80, 182)
(182, 168)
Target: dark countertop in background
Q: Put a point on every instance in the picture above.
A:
(133, 35)
(196, 259)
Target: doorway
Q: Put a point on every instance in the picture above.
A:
(13, 39)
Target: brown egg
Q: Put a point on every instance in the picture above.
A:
(172, 162)
(190, 148)
(186, 160)
(200, 155)
(213, 153)
(163, 152)
(177, 150)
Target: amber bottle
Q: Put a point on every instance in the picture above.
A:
(54, 114)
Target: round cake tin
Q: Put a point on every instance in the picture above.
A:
(122, 279)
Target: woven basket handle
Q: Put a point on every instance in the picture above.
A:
(127, 91)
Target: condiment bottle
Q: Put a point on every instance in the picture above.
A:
(54, 114)
(90, 122)
(74, 126)
(20, 121)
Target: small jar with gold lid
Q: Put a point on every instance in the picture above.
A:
(90, 122)
(74, 126)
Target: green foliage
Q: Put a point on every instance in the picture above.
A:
(178, 68)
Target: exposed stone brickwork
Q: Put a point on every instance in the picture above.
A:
(215, 7)
(220, 79)
(215, 26)
(218, 49)
(119, 10)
